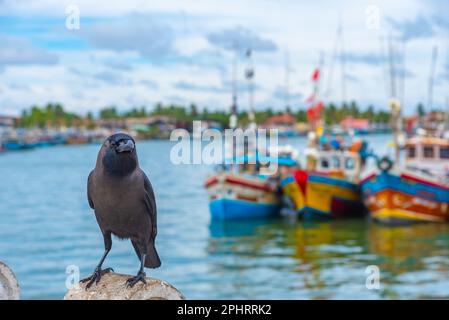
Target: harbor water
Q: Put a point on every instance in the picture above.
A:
(47, 227)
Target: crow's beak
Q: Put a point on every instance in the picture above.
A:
(126, 146)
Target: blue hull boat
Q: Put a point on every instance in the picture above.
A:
(230, 209)
(15, 145)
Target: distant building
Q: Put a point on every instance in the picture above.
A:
(151, 127)
(359, 125)
(7, 121)
(435, 116)
(7, 124)
(285, 123)
(280, 120)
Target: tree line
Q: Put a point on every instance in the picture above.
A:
(54, 114)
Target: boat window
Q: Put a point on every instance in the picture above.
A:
(350, 163)
(411, 152)
(324, 163)
(428, 151)
(336, 162)
(444, 152)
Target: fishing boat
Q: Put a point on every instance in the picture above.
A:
(76, 139)
(415, 192)
(244, 191)
(328, 188)
(243, 187)
(414, 189)
(18, 144)
(328, 185)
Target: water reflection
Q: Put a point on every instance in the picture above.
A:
(325, 260)
(46, 225)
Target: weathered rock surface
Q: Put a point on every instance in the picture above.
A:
(112, 286)
(9, 287)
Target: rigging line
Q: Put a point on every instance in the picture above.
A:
(431, 78)
(383, 59)
(342, 67)
(333, 59)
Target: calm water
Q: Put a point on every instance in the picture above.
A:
(47, 225)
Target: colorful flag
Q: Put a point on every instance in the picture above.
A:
(315, 75)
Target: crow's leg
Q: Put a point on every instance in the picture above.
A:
(140, 275)
(96, 276)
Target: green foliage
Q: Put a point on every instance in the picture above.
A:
(51, 115)
(54, 115)
(109, 113)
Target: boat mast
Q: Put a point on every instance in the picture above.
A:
(431, 78)
(392, 68)
(446, 125)
(249, 74)
(337, 55)
(319, 126)
(342, 64)
(395, 105)
(287, 81)
(233, 117)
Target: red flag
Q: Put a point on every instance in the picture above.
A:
(314, 112)
(311, 114)
(315, 75)
(318, 107)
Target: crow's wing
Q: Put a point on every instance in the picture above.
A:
(150, 201)
(89, 190)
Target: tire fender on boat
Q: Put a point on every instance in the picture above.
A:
(384, 164)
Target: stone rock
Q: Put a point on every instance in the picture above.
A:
(112, 286)
(9, 287)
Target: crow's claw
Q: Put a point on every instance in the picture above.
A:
(139, 277)
(95, 277)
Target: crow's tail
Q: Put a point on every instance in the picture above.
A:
(152, 258)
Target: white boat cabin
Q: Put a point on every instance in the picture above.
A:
(428, 153)
(344, 164)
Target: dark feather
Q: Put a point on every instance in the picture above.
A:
(89, 191)
(151, 203)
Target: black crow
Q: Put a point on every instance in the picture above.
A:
(124, 204)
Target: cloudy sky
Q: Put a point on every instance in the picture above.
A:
(136, 52)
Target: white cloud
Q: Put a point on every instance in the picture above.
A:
(136, 58)
(19, 51)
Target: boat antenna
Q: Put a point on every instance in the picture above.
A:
(249, 74)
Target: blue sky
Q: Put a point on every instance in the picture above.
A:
(134, 52)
